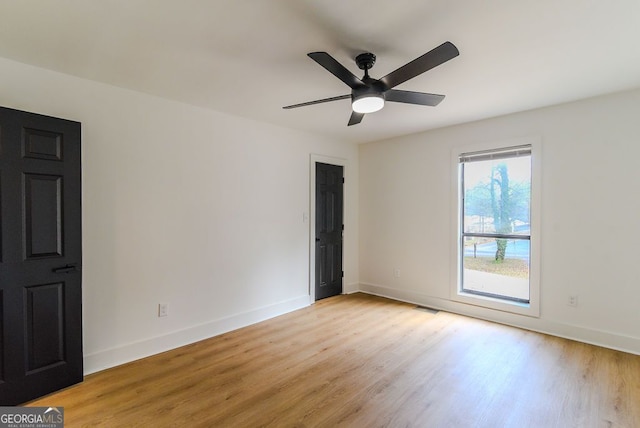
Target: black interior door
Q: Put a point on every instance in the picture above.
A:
(329, 228)
(40, 255)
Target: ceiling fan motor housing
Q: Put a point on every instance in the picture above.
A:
(367, 91)
(367, 99)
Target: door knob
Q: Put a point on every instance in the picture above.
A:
(65, 269)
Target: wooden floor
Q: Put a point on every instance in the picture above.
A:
(363, 361)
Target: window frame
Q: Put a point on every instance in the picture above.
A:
(457, 294)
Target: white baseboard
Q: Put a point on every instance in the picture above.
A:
(133, 351)
(144, 348)
(354, 287)
(602, 338)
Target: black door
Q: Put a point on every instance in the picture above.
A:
(329, 227)
(40, 255)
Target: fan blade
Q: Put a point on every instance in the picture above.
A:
(411, 97)
(355, 118)
(335, 68)
(324, 100)
(431, 59)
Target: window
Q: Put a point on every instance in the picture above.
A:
(494, 230)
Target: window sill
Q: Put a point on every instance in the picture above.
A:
(527, 309)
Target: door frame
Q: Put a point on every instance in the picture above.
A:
(344, 163)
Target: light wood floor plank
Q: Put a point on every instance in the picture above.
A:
(364, 361)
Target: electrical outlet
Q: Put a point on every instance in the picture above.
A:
(396, 272)
(573, 300)
(163, 309)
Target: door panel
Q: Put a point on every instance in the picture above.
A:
(40, 255)
(329, 228)
(41, 144)
(44, 330)
(43, 215)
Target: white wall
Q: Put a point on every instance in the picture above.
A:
(204, 211)
(185, 206)
(590, 240)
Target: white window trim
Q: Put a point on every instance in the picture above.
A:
(531, 309)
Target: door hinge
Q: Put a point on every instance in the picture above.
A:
(342, 180)
(343, 274)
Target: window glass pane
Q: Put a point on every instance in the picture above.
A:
(484, 273)
(497, 196)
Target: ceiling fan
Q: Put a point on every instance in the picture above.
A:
(368, 94)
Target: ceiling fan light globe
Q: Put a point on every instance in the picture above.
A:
(367, 103)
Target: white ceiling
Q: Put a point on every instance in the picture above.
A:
(248, 57)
